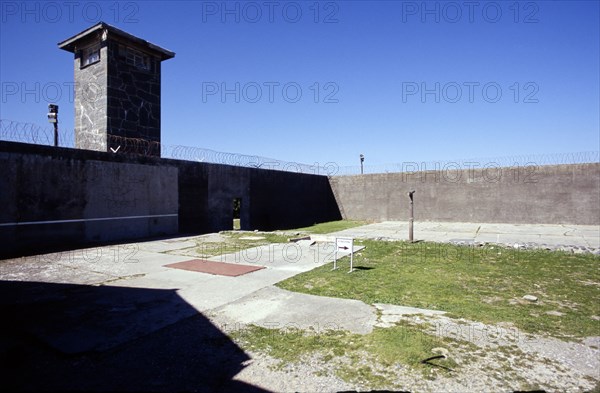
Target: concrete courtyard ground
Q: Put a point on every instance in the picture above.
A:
(117, 318)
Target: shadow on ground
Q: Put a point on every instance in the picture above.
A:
(102, 338)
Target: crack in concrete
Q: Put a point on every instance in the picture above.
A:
(120, 278)
(568, 230)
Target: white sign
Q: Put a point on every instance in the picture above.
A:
(344, 244)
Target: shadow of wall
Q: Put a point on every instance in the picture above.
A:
(80, 337)
(270, 199)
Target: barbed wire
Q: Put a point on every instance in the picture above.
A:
(524, 160)
(15, 131)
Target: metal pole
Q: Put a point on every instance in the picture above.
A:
(56, 134)
(411, 217)
(362, 159)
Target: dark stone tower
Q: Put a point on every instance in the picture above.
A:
(117, 90)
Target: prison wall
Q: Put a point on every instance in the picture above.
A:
(59, 198)
(270, 199)
(557, 194)
(55, 198)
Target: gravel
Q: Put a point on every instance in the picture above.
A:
(508, 361)
(531, 246)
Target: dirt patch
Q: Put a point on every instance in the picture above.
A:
(491, 299)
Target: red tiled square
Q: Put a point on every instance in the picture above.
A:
(217, 268)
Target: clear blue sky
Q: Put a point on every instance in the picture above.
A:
(365, 63)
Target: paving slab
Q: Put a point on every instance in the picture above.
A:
(572, 235)
(29, 270)
(277, 308)
(299, 255)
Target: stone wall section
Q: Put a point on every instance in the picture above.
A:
(91, 103)
(133, 94)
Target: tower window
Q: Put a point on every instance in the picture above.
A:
(90, 55)
(138, 59)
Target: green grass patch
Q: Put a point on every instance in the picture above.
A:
(237, 240)
(290, 345)
(402, 344)
(332, 226)
(483, 284)
(267, 237)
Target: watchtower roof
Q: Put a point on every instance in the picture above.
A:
(71, 44)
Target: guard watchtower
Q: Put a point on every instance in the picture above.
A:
(117, 88)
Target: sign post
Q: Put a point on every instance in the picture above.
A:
(411, 218)
(344, 244)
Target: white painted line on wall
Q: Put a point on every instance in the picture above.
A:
(84, 220)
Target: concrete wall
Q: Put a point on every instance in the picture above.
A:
(57, 198)
(286, 200)
(562, 194)
(60, 198)
(54, 198)
(270, 199)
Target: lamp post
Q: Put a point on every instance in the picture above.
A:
(411, 218)
(53, 118)
(362, 159)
